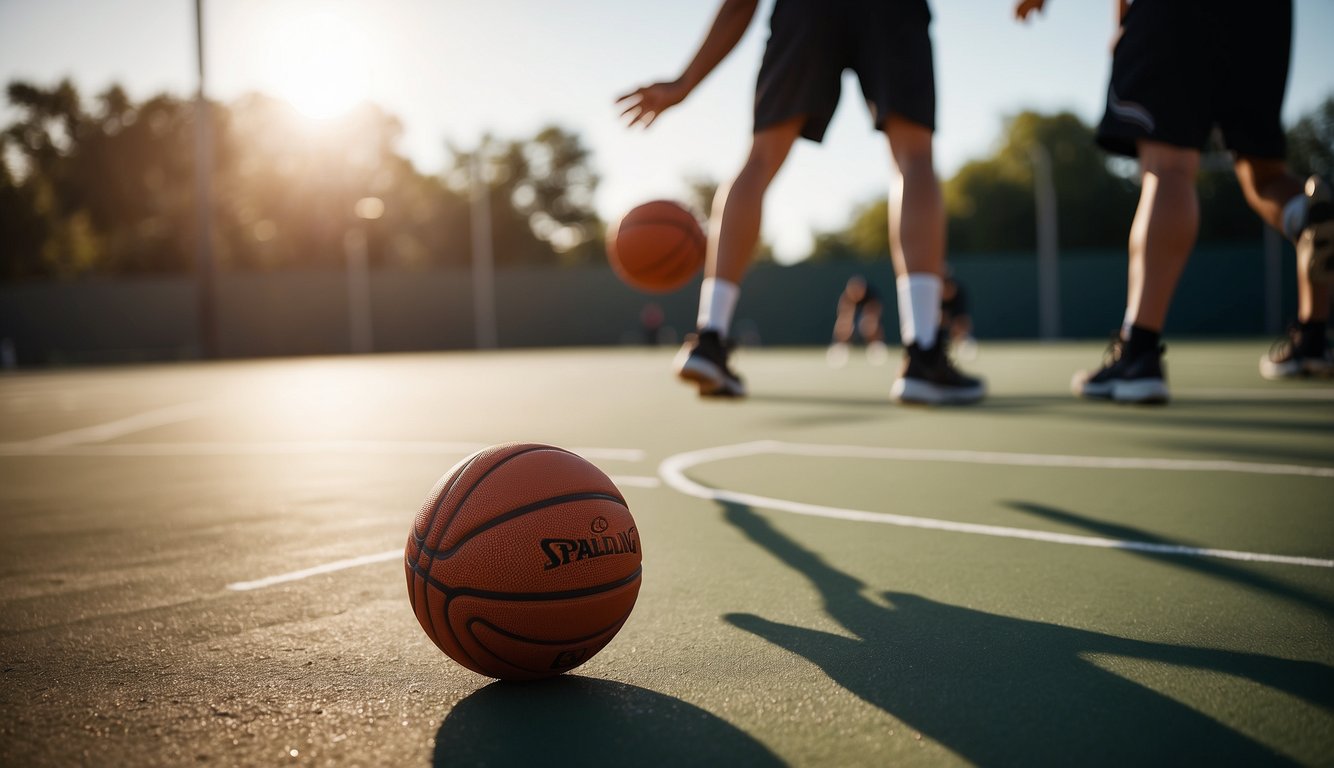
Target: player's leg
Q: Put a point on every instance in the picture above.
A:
(734, 233)
(1305, 215)
(1161, 238)
(1254, 50)
(917, 247)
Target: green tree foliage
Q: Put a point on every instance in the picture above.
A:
(1311, 142)
(110, 189)
(990, 203)
(540, 193)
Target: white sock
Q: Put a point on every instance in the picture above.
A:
(717, 301)
(1294, 217)
(1127, 322)
(919, 308)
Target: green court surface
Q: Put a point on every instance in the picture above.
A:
(202, 565)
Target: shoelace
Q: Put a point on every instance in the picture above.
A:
(1285, 345)
(1115, 346)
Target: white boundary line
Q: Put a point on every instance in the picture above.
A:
(102, 432)
(673, 472)
(305, 573)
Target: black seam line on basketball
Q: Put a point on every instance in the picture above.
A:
(667, 258)
(468, 493)
(534, 641)
(613, 629)
(536, 506)
(436, 635)
(454, 514)
(440, 499)
(523, 597)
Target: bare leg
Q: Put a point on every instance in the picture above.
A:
(737, 210)
(1163, 233)
(917, 210)
(1269, 186)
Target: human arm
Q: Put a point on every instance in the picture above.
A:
(643, 105)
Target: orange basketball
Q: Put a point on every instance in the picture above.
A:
(523, 561)
(657, 247)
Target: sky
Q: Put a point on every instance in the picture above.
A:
(452, 70)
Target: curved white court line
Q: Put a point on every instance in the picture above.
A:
(673, 472)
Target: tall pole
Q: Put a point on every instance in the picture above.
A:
(1049, 268)
(208, 341)
(1273, 281)
(483, 266)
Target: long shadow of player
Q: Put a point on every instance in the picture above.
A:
(1219, 569)
(572, 720)
(1004, 691)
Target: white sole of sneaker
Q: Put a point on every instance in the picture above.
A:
(920, 392)
(710, 379)
(1138, 391)
(1294, 369)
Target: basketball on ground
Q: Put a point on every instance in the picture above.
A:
(656, 247)
(523, 561)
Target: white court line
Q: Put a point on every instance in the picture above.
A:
(298, 447)
(636, 481)
(673, 471)
(112, 429)
(305, 573)
(380, 557)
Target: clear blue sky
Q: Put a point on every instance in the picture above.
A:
(565, 61)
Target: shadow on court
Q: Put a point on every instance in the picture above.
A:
(1005, 691)
(1219, 569)
(570, 720)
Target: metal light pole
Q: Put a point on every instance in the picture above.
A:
(204, 300)
(1049, 268)
(483, 262)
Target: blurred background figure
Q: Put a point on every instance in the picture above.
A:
(650, 324)
(859, 311)
(955, 320)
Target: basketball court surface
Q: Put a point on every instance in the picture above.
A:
(203, 564)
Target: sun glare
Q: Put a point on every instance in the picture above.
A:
(317, 61)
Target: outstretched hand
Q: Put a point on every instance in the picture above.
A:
(1025, 7)
(643, 105)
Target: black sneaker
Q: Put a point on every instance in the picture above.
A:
(703, 361)
(1299, 353)
(1315, 245)
(928, 377)
(1138, 378)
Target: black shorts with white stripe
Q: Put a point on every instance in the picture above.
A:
(1183, 67)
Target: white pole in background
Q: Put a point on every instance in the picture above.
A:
(1049, 268)
(360, 340)
(483, 266)
(204, 273)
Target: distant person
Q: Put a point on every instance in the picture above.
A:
(1181, 68)
(886, 43)
(956, 321)
(858, 317)
(651, 319)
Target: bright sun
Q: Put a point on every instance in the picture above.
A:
(317, 61)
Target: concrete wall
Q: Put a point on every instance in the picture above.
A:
(1222, 293)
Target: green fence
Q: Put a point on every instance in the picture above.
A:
(1222, 293)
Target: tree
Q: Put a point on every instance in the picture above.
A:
(1311, 142)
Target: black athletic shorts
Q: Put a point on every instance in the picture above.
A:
(1182, 67)
(811, 42)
